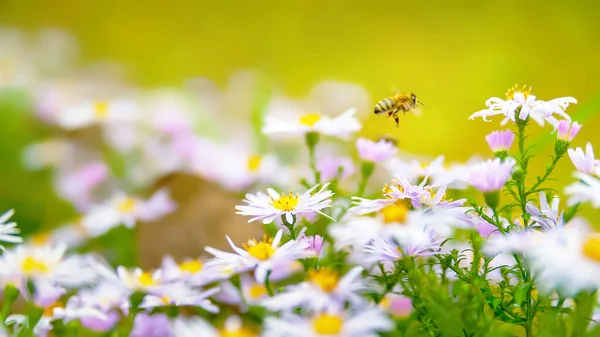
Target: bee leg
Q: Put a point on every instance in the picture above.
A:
(397, 119)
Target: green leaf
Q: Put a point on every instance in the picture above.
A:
(520, 293)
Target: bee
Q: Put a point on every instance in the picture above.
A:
(394, 104)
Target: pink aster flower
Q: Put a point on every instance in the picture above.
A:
(568, 131)
(375, 151)
(397, 305)
(584, 162)
(332, 167)
(500, 140)
(491, 175)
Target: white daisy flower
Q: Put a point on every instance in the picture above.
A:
(408, 242)
(130, 279)
(250, 292)
(584, 162)
(265, 207)
(193, 271)
(8, 230)
(260, 256)
(366, 323)
(97, 112)
(587, 189)
(325, 289)
(123, 209)
(181, 295)
(292, 126)
(413, 170)
(539, 111)
(195, 327)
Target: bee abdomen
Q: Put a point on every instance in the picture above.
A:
(384, 105)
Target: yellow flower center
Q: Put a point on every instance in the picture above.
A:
(192, 266)
(326, 279)
(310, 119)
(262, 250)
(510, 94)
(40, 239)
(237, 333)
(101, 109)
(257, 290)
(395, 212)
(49, 310)
(326, 324)
(166, 299)
(146, 279)
(591, 248)
(386, 189)
(126, 206)
(385, 303)
(254, 163)
(31, 266)
(286, 202)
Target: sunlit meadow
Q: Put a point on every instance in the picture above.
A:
(273, 201)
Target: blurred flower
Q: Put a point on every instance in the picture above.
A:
(325, 289)
(181, 295)
(584, 162)
(126, 210)
(130, 280)
(268, 207)
(341, 126)
(500, 140)
(567, 131)
(397, 305)
(52, 152)
(314, 245)
(192, 271)
(414, 170)
(146, 325)
(97, 112)
(521, 99)
(329, 323)
(332, 167)
(491, 175)
(587, 189)
(76, 186)
(260, 256)
(375, 151)
(194, 327)
(8, 230)
(421, 244)
(106, 297)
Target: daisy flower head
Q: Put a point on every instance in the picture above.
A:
(267, 207)
(341, 126)
(324, 289)
(500, 141)
(180, 295)
(192, 271)
(567, 131)
(8, 230)
(584, 161)
(375, 151)
(98, 112)
(519, 100)
(261, 256)
(131, 280)
(365, 323)
(587, 189)
(491, 175)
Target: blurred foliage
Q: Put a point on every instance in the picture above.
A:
(453, 55)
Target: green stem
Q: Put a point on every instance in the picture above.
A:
(367, 170)
(558, 154)
(290, 226)
(268, 284)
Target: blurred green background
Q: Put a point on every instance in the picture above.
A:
(453, 54)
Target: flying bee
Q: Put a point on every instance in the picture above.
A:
(394, 104)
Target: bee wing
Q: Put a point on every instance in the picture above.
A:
(417, 112)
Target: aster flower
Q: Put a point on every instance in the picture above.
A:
(342, 126)
(147, 325)
(331, 167)
(548, 216)
(314, 245)
(413, 170)
(8, 230)
(131, 280)
(567, 131)
(397, 305)
(193, 327)
(181, 295)
(97, 112)
(77, 185)
(260, 256)
(108, 299)
(584, 162)
(375, 151)
(408, 242)
(587, 189)
(491, 175)
(365, 323)
(325, 289)
(521, 100)
(500, 141)
(192, 271)
(265, 207)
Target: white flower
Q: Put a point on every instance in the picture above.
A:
(520, 98)
(587, 189)
(178, 294)
(193, 271)
(123, 209)
(44, 264)
(97, 112)
(375, 151)
(413, 170)
(366, 323)
(292, 126)
(8, 230)
(324, 290)
(548, 217)
(265, 207)
(408, 242)
(585, 162)
(130, 279)
(260, 256)
(193, 327)
(105, 296)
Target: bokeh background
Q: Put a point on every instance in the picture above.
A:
(454, 55)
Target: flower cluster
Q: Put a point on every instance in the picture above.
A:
(423, 248)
